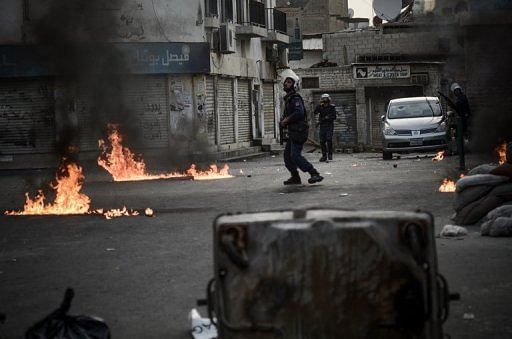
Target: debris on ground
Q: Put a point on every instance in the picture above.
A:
(453, 231)
(468, 316)
(201, 328)
(343, 195)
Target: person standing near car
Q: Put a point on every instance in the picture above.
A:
(326, 115)
(294, 119)
(461, 107)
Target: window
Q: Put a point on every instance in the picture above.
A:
(310, 82)
(419, 79)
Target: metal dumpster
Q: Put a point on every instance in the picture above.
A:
(326, 274)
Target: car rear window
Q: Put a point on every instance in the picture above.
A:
(415, 109)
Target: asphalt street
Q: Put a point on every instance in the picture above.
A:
(144, 274)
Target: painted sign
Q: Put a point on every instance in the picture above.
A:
(175, 58)
(382, 72)
(139, 58)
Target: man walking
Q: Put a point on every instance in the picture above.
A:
(327, 115)
(295, 120)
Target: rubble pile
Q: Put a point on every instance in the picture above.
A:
(484, 197)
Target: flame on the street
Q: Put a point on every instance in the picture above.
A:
(447, 186)
(502, 152)
(149, 212)
(123, 165)
(68, 199)
(439, 156)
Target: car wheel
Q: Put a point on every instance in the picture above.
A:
(387, 155)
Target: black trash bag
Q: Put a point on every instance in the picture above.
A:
(59, 325)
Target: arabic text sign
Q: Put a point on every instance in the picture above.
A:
(382, 72)
(174, 58)
(140, 58)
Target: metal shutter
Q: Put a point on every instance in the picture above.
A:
(210, 110)
(244, 111)
(345, 126)
(145, 99)
(226, 116)
(269, 109)
(27, 116)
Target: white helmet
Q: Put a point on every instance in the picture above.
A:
(455, 86)
(325, 96)
(288, 73)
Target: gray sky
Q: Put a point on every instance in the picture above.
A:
(362, 8)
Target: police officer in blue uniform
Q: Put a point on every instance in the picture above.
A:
(326, 116)
(294, 119)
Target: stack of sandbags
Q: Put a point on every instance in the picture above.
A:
(478, 194)
(499, 223)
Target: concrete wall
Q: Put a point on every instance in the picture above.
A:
(141, 20)
(344, 47)
(310, 58)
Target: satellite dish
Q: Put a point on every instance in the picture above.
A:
(350, 13)
(387, 9)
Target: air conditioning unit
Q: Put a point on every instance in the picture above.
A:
(227, 43)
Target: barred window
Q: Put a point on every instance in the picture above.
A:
(310, 82)
(419, 79)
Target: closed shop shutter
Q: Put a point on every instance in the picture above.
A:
(244, 111)
(210, 109)
(226, 116)
(27, 116)
(145, 99)
(345, 126)
(269, 109)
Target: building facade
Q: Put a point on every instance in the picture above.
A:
(170, 73)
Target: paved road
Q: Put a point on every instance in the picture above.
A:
(144, 274)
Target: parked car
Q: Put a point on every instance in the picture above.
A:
(413, 125)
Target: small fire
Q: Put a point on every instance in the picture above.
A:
(447, 186)
(68, 199)
(123, 165)
(502, 152)
(439, 156)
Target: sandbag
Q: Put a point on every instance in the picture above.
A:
(476, 210)
(499, 227)
(470, 194)
(482, 169)
(479, 179)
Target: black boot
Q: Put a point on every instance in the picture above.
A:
(324, 151)
(329, 149)
(315, 176)
(293, 180)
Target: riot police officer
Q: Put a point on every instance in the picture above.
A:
(326, 116)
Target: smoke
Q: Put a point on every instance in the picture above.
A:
(93, 77)
(75, 36)
(489, 51)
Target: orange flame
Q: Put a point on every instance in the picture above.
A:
(447, 186)
(123, 165)
(439, 156)
(68, 199)
(502, 152)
